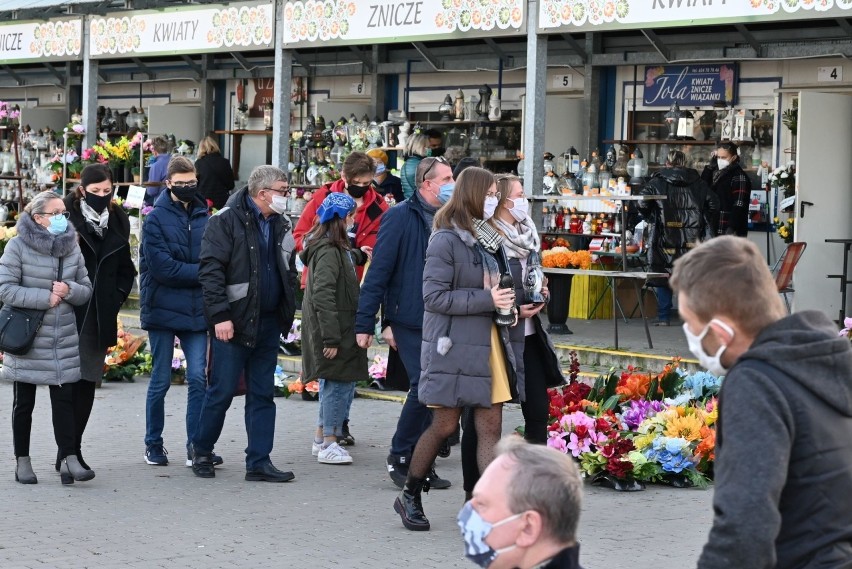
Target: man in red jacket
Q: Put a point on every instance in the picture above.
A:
(356, 180)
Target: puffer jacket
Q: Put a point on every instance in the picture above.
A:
(328, 314)
(171, 296)
(682, 220)
(27, 271)
(229, 269)
(458, 307)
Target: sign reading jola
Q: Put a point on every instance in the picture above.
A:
(175, 31)
(392, 13)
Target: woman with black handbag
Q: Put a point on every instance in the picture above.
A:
(42, 269)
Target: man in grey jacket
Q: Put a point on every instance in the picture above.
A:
(784, 435)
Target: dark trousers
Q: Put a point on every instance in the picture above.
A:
(537, 405)
(535, 408)
(82, 399)
(229, 361)
(415, 417)
(63, 418)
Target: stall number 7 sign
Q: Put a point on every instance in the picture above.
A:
(830, 74)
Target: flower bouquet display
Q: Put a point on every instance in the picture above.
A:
(785, 229)
(561, 257)
(378, 371)
(637, 427)
(125, 360)
(783, 179)
(312, 387)
(291, 344)
(6, 234)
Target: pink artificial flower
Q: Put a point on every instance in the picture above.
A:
(578, 446)
(847, 326)
(556, 441)
(78, 128)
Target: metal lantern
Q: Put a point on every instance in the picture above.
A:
(574, 160)
(267, 116)
(726, 125)
(637, 169)
(743, 123)
(446, 108)
(534, 280)
(685, 125)
(458, 105)
(672, 120)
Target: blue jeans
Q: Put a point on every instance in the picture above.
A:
(415, 417)
(664, 303)
(335, 399)
(194, 346)
(229, 361)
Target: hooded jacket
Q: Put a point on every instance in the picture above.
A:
(171, 296)
(682, 220)
(783, 469)
(367, 219)
(27, 271)
(328, 314)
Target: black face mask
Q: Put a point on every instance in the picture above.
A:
(184, 194)
(356, 191)
(97, 203)
(438, 152)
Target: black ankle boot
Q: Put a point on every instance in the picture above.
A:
(409, 506)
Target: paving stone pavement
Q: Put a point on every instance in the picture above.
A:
(139, 516)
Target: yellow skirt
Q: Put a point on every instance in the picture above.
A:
(500, 392)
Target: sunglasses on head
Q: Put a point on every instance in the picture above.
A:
(435, 160)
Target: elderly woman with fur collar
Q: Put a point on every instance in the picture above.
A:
(42, 269)
(467, 358)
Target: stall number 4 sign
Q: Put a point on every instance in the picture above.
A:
(829, 74)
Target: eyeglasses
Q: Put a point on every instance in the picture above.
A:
(493, 195)
(283, 191)
(435, 160)
(185, 184)
(64, 214)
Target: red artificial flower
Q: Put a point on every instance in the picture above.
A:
(619, 468)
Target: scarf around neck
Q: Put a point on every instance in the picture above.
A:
(97, 222)
(519, 239)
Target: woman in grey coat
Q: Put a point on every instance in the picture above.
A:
(466, 359)
(28, 279)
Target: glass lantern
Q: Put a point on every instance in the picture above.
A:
(743, 123)
(672, 120)
(267, 116)
(637, 169)
(686, 125)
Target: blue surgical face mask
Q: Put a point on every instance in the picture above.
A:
(445, 192)
(380, 168)
(58, 224)
(474, 530)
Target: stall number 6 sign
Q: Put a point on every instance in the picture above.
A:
(830, 74)
(358, 89)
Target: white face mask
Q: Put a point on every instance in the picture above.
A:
(279, 204)
(722, 163)
(713, 363)
(520, 209)
(490, 207)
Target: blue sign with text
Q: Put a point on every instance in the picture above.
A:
(690, 85)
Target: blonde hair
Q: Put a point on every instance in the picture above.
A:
(728, 276)
(207, 146)
(416, 145)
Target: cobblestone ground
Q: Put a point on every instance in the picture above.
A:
(135, 515)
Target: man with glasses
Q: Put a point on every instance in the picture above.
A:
(395, 283)
(171, 303)
(248, 278)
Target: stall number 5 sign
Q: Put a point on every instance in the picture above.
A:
(563, 81)
(830, 74)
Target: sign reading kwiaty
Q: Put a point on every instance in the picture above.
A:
(573, 15)
(690, 85)
(41, 41)
(307, 22)
(193, 29)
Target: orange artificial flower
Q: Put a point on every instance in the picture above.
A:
(707, 446)
(633, 386)
(312, 387)
(296, 386)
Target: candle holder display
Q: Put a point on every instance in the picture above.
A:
(534, 281)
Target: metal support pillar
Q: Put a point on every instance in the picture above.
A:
(207, 102)
(377, 84)
(592, 95)
(282, 86)
(90, 92)
(534, 105)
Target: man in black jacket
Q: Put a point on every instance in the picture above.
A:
(677, 223)
(248, 278)
(783, 465)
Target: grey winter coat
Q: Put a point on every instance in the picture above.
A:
(27, 271)
(458, 307)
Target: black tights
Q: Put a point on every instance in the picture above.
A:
(489, 427)
(82, 397)
(22, 417)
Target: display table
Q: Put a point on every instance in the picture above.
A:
(636, 278)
